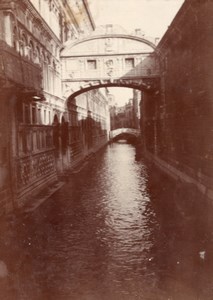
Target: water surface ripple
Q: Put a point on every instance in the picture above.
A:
(108, 234)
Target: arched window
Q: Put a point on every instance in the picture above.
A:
(44, 70)
(15, 39)
(54, 65)
(37, 56)
(31, 51)
(48, 60)
(52, 48)
(23, 46)
(43, 58)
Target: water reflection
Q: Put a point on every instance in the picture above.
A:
(112, 232)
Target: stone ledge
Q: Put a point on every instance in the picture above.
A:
(179, 175)
(42, 197)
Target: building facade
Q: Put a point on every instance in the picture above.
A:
(177, 120)
(89, 126)
(127, 116)
(35, 120)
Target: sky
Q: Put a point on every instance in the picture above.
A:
(152, 16)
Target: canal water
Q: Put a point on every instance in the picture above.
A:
(113, 231)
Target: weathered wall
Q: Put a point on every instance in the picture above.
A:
(5, 153)
(178, 123)
(88, 127)
(30, 93)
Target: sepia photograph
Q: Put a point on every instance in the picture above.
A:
(106, 149)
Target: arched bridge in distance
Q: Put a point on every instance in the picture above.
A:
(129, 134)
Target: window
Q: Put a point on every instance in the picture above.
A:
(31, 51)
(43, 58)
(54, 65)
(92, 64)
(34, 115)
(20, 111)
(48, 61)
(37, 54)
(129, 63)
(23, 46)
(26, 114)
(45, 116)
(24, 40)
(15, 39)
(39, 116)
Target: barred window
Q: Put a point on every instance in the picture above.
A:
(92, 64)
(129, 63)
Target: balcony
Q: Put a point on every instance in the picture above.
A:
(19, 70)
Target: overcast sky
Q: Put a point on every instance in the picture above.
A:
(152, 16)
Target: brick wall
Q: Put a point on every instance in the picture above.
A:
(178, 124)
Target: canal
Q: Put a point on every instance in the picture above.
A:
(113, 231)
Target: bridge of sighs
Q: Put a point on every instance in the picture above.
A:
(110, 57)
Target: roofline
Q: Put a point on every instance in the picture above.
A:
(96, 37)
(173, 23)
(86, 5)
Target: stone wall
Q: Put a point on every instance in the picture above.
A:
(5, 149)
(88, 128)
(30, 94)
(179, 121)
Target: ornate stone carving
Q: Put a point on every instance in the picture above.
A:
(33, 168)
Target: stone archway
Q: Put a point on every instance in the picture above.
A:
(102, 60)
(109, 59)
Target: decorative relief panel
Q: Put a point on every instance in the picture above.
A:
(123, 66)
(27, 73)
(32, 168)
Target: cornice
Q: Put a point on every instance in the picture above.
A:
(69, 12)
(85, 2)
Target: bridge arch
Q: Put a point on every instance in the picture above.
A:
(129, 134)
(149, 86)
(70, 44)
(129, 131)
(109, 59)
